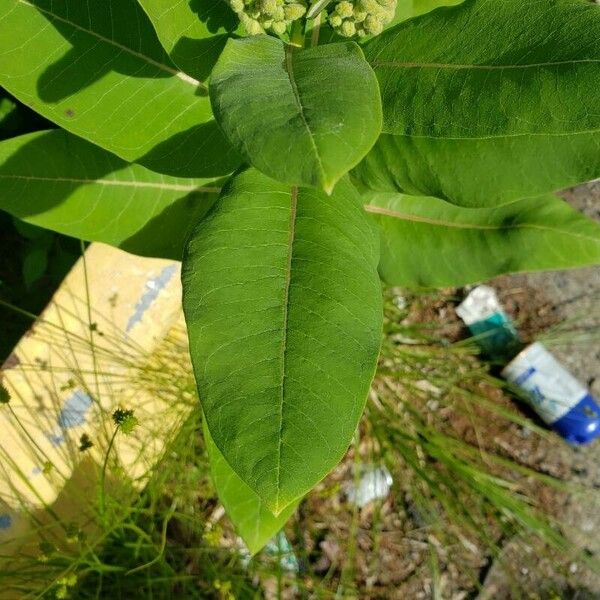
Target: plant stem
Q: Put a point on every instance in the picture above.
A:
(103, 474)
(297, 33)
(314, 41)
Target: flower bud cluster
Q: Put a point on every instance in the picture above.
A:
(351, 18)
(258, 16)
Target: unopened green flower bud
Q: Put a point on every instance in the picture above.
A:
(61, 592)
(252, 26)
(259, 16)
(279, 27)
(348, 29)
(294, 11)
(267, 7)
(335, 20)
(361, 17)
(125, 420)
(369, 6)
(373, 25)
(345, 9)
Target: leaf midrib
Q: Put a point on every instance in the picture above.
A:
(478, 67)
(118, 183)
(452, 224)
(150, 61)
(498, 136)
(289, 67)
(283, 351)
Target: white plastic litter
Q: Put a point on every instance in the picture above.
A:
(480, 304)
(374, 484)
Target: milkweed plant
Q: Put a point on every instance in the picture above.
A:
(293, 155)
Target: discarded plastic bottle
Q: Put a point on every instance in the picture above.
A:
(493, 330)
(556, 396)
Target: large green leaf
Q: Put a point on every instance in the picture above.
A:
(61, 182)
(283, 307)
(193, 32)
(426, 242)
(303, 117)
(98, 70)
(484, 172)
(514, 81)
(491, 69)
(255, 524)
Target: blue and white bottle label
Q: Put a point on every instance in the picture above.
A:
(551, 389)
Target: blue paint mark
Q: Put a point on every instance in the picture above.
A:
(74, 410)
(5, 521)
(36, 471)
(149, 296)
(73, 414)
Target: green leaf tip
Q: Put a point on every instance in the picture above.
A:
(253, 521)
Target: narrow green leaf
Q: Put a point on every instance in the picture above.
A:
(255, 524)
(303, 117)
(98, 70)
(493, 100)
(283, 307)
(480, 173)
(426, 242)
(193, 32)
(61, 182)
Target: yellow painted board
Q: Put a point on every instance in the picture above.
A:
(78, 363)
